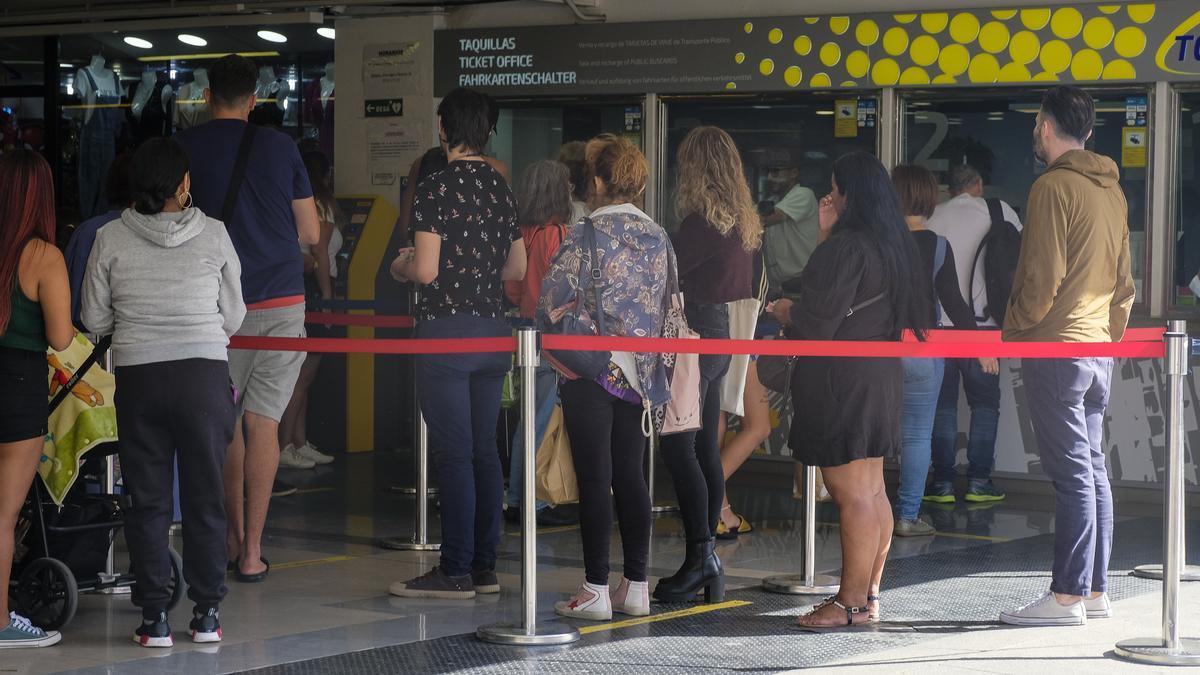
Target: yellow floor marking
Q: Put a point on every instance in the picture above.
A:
(952, 535)
(665, 616)
(309, 563)
(549, 530)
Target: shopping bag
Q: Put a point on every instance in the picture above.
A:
(743, 320)
(682, 412)
(554, 468)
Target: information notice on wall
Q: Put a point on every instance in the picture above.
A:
(390, 143)
(391, 70)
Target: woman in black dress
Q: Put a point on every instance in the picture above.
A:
(863, 282)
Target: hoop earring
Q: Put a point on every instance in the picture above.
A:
(179, 199)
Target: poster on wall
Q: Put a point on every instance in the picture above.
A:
(845, 121)
(391, 70)
(391, 142)
(1133, 147)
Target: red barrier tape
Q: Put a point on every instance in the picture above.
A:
(994, 336)
(1150, 350)
(358, 320)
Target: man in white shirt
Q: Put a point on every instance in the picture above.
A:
(790, 225)
(965, 221)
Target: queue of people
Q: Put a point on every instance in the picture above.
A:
(226, 214)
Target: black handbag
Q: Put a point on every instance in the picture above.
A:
(575, 365)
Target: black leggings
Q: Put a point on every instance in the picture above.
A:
(608, 448)
(694, 459)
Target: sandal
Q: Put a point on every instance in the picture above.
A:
(851, 612)
(873, 614)
(252, 578)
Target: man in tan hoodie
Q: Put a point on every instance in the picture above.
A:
(1072, 284)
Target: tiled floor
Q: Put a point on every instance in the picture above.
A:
(327, 596)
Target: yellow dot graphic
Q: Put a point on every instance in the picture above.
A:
(866, 32)
(1004, 14)
(1035, 19)
(849, 83)
(858, 63)
(1098, 32)
(731, 85)
(885, 72)
(1119, 69)
(793, 76)
(839, 24)
(1141, 13)
(1055, 56)
(1087, 65)
(943, 79)
(934, 22)
(802, 45)
(895, 41)
(1045, 77)
(775, 36)
(811, 20)
(984, 69)
(905, 18)
(924, 50)
(831, 53)
(819, 80)
(1110, 9)
(739, 57)
(914, 75)
(1024, 47)
(1014, 72)
(954, 60)
(964, 28)
(1067, 23)
(1130, 42)
(993, 37)
(766, 66)
(749, 27)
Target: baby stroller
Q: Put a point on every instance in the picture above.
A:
(63, 551)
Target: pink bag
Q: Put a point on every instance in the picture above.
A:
(682, 414)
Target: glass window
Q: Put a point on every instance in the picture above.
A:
(770, 133)
(994, 133)
(1187, 205)
(21, 61)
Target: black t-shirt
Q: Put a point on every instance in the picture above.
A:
(945, 283)
(470, 206)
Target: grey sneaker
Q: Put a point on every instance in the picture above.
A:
(20, 633)
(435, 584)
(913, 528)
(485, 581)
(984, 491)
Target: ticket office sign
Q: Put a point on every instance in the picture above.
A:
(1086, 43)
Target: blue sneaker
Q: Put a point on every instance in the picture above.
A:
(984, 491)
(20, 633)
(940, 492)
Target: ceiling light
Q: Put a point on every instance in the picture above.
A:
(67, 65)
(138, 42)
(193, 40)
(326, 32)
(825, 112)
(272, 36)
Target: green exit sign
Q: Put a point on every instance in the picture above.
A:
(385, 107)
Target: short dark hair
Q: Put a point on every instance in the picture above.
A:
(962, 176)
(118, 183)
(231, 79)
(464, 114)
(572, 155)
(1072, 109)
(158, 168)
(544, 194)
(917, 189)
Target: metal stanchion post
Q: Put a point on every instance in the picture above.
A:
(808, 583)
(528, 632)
(1170, 649)
(656, 508)
(110, 573)
(414, 299)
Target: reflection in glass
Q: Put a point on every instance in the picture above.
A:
(1187, 205)
(525, 135)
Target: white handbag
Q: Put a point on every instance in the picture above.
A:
(743, 320)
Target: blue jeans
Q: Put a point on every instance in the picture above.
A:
(983, 396)
(460, 400)
(547, 397)
(1067, 400)
(922, 382)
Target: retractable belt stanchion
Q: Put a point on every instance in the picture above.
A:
(1170, 649)
(808, 583)
(655, 507)
(528, 632)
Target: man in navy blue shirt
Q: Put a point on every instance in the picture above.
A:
(119, 193)
(273, 212)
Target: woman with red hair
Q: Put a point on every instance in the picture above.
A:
(35, 313)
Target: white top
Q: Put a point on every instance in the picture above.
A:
(336, 240)
(965, 220)
(788, 245)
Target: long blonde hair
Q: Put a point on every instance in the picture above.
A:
(713, 184)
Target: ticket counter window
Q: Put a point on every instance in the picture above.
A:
(526, 134)
(994, 134)
(1187, 205)
(783, 143)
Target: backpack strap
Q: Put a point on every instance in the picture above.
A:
(239, 173)
(593, 272)
(939, 259)
(995, 211)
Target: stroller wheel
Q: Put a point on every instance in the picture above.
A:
(178, 586)
(47, 594)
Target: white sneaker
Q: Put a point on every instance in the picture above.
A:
(290, 458)
(1046, 611)
(632, 598)
(309, 451)
(590, 602)
(1098, 608)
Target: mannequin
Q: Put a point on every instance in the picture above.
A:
(190, 108)
(319, 106)
(327, 86)
(102, 120)
(271, 97)
(151, 106)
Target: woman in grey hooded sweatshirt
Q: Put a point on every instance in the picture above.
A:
(164, 280)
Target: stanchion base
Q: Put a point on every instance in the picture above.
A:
(115, 590)
(656, 509)
(543, 635)
(794, 584)
(1152, 650)
(1188, 573)
(409, 490)
(398, 544)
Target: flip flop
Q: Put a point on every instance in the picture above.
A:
(253, 578)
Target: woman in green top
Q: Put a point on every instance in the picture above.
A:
(35, 313)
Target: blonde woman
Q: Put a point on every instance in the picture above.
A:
(715, 246)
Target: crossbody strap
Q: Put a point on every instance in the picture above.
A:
(239, 172)
(865, 304)
(594, 273)
(98, 350)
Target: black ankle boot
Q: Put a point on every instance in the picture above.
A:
(701, 569)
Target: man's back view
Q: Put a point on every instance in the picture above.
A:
(254, 180)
